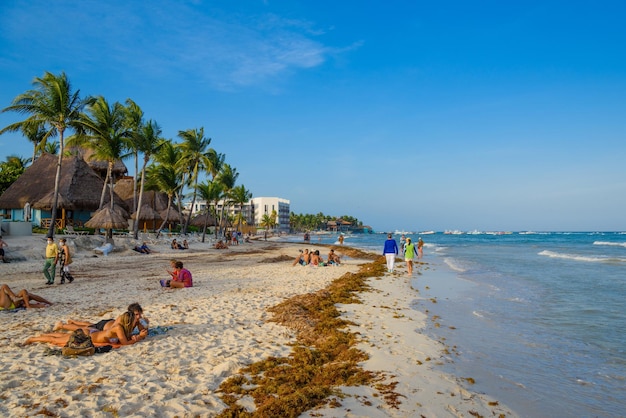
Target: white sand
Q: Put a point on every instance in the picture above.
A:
(216, 327)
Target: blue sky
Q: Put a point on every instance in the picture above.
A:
(411, 115)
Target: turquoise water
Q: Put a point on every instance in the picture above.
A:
(538, 320)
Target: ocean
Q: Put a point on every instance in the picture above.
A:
(537, 320)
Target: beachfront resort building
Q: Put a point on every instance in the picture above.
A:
(253, 211)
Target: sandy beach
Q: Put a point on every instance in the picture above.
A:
(209, 332)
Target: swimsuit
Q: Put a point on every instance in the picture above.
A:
(100, 324)
(10, 308)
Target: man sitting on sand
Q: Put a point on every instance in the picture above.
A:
(118, 334)
(183, 277)
(23, 299)
(333, 258)
(303, 258)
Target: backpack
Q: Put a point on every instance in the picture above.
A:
(79, 344)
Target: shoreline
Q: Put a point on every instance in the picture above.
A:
(215, 328)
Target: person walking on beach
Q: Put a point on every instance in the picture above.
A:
(52, 257)
(402, 243)
(420, 247)
(409, 254)
(3, 244)
(66, 260)
(390, 251)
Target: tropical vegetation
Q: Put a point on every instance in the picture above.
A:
(116, 132)
(310, 222)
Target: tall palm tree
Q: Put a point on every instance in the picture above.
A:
(211, 192)
(164, 176)
(227, 177)
(148, 141)
(53, 104)
(105, 132)
(195, 158)
(35, 133)
(134, 122)
(240, 196)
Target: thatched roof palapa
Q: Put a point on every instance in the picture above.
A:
(156, 200)
(99, 166)
(47, 202)
(147, 214)
(107, 218)
(79, 184)
(199, 220)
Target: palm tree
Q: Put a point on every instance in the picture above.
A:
(105, 133)
(195, 158)
(164, 176)
(51, 148)
(134, 122)
(51, 104)
(266, 223)
(240, 196)
(211, 192)
(227, 177)
(35, 133)
(148, 141)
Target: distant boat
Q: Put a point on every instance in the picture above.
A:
(427, 233)
(398, 232)
(454, 232)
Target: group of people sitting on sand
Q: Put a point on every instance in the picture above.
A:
(179, 276)
(178, 246)
(128, 328)
(313, 258)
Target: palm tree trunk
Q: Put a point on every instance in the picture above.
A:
(57, 182)
(106, 180)
(140, 202)
(167, 216)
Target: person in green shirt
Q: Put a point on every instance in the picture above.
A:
(409, 253)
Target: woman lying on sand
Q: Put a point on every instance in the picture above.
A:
(23, 299)
(117, 334)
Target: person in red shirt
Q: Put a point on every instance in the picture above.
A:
(183, 276)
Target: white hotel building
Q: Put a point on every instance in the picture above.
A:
(254, 210)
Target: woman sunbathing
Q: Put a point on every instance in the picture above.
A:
(119, 334)
(23, 299)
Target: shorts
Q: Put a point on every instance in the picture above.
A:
(100, 324)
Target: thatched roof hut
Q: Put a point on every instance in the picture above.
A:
(78, 183)
(99, 166)
(124, 189)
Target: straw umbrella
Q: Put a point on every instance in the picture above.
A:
(107, 218)
(173, 216)
(146, 214)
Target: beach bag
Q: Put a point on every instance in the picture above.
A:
(79, 344)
